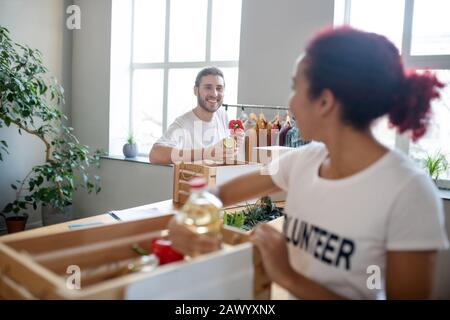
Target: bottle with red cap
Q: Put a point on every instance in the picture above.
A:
(201, 212)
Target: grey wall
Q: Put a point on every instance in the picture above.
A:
(39, 24)
(90, 76)
(273, 34)
(126, 184)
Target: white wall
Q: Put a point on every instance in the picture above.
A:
(39, 24)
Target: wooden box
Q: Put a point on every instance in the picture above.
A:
(214, 174)
(37, 267)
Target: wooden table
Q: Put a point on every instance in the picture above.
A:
(163, 206)
(166, 206)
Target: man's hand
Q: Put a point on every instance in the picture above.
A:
(188, 242)
(224, 151)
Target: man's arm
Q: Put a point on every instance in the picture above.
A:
(161, 154)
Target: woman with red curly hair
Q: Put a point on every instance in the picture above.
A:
(362, 222)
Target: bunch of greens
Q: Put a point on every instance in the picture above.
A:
(263, 210)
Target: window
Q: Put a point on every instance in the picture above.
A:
(421, 31)
(157, 49)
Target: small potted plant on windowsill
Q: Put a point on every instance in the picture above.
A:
(130, 149)
(435, 165)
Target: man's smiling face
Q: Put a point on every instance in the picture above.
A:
(210, 93)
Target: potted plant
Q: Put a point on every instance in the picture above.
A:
(130, 149)
(29, 101)
(435, 165)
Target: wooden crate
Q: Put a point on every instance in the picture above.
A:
(36, 268)
(214, 174)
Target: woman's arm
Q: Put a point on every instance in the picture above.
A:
(236, 190)
(246, 187)
(410, 274)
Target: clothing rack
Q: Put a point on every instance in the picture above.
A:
(244, 106)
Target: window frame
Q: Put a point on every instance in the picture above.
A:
(166, 65)
(433, 62)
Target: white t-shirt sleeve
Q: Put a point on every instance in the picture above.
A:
(280, 169)
(290, 164)
(416, 221)
(172, 136)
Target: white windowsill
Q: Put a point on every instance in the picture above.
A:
(138, 159)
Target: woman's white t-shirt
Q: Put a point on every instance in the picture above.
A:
(339, 231)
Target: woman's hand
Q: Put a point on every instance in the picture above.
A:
(188, 242)
(274, 253)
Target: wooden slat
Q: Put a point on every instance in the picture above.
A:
(184, 186)
(233, 236)
(20, 268)
(182, 198)
(95, 254)
(198, 168)
(187, 175)
(176, 179)
(9, 289)
(80, 237)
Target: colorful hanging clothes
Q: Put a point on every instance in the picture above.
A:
(293, 138)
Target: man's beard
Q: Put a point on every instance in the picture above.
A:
(204, 105)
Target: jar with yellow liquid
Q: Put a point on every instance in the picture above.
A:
(201, 212)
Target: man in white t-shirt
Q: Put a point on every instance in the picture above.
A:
(201, 132)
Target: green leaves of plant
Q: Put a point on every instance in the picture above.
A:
(435, 165)
(28, 97)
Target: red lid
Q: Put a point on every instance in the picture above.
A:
(162, 248)
(198, 183)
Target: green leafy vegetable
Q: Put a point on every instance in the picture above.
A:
(263, 210)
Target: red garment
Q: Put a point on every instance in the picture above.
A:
(283, 134)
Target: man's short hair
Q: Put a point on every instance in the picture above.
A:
(214, 71)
